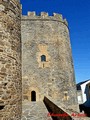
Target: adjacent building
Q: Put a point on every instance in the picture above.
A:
(83, 92)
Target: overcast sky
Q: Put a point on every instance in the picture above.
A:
(77, 12)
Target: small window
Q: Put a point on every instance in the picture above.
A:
(43, 58)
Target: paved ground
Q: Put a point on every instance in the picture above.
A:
(38, 111)
(35, 111)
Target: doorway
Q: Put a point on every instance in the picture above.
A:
(33, 96)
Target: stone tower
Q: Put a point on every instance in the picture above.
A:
(10, 60)
(47, 60)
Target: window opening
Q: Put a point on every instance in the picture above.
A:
(43, 58)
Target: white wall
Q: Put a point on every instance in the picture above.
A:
(84, 91)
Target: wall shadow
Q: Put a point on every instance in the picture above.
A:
(55, 112)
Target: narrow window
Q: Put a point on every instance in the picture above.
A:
(33, 96)
(43, 58)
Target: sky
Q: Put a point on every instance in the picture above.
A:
(77, 13)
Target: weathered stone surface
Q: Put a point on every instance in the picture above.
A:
(49, 36)
(35, 111)
(10, 60)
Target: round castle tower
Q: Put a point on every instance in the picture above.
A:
(10, 60)
(47, 59)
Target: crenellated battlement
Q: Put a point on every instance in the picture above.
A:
(45, 15)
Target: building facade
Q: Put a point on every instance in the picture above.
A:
(47, 66)
(41, 44)
(83, 92)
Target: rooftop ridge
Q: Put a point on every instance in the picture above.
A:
(45, 15)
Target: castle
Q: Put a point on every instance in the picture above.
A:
(36, 62)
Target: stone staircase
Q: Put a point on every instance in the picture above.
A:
(35, 111)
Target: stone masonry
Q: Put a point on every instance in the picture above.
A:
(48, 36)
(10, 60)
(53, 76)
(42, 45)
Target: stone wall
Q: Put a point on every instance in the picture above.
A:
(10, 60)
(53, 77)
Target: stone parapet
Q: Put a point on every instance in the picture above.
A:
(45, 16)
